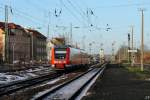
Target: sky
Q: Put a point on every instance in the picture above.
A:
(93, 21)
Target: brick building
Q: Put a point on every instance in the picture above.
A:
(23, 45)
(38, 46)
(18, 43)
(2, 39)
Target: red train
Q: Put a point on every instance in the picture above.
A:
(66, 57)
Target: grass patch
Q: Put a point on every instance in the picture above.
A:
(141, 74)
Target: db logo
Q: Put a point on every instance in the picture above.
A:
(64, 62)
(59, 62)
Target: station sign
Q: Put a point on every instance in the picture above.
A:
(132, 50)
(101, 53)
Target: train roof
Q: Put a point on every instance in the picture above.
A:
(67, 46)
(62, 46)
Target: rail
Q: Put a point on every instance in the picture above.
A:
(16, 86)
(85, 78)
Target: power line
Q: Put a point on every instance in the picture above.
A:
(123, 5)
(35, 5)
(74, 15)
(38, 8)
(79, 7)
(78, 11)
(89, 10)
(25, 15)
(28, 18)
(83, 14)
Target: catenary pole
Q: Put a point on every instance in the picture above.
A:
(6, 58)
(142, 40)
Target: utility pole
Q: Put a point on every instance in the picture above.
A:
(90, 44)
(13, 52)
(132, 36)
(142, 40)
(6, 58)
(49, 20)
(32, 55)
(32, 47)
(119, 58)
(128, 47)
(48, 31)
(101, 53)
(83, 38)
(132, 53)
(113, 50)
(124, 51)
(71, 34)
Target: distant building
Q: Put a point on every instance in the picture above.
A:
(123, 55)
(58, 41)
(101, 55)
(54, 42)
(49, 46)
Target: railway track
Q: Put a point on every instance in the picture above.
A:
(16, 86)
(71, 89)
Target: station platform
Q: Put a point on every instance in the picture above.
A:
(118, 83)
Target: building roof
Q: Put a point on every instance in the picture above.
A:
(58, 41)
(10, 25)
(15, 26)
(37, 33)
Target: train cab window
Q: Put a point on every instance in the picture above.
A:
(60, 54)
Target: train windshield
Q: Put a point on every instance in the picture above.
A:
(60, 53)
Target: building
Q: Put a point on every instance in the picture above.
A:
(54, 42)
(38, 46)
(23, 44)
(49, 46)
(123, 55)
(18, 44)
(101, 55)
(58, 41)
(2, 41)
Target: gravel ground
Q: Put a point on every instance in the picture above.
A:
(119, 84)
(11, 68)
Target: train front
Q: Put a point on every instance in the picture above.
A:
(60, 57)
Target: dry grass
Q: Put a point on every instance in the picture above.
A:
(141, 74)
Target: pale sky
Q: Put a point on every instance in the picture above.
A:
(118, 15)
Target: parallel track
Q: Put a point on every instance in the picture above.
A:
(16, 86)
(53, 92)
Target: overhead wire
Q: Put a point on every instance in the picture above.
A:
(35, 5)
(30, 16)
(84, 15)
(2, 7)
(123, 5)
(28, 19)
(79, 7)
(111, 6)
(38, 8)
(75, 8)
(27, 16)
(73, 14)
(87, 18)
